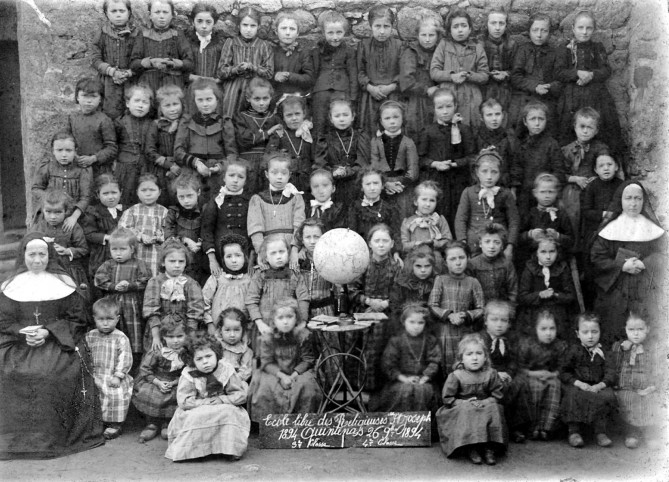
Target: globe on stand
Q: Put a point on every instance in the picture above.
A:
(341, 256)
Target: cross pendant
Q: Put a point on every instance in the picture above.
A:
(37, 314)
(274, 213)
(83, 392)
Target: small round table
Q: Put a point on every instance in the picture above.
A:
(340, 352)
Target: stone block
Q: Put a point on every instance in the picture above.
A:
(612, 13)
(290, 4)
(621, 38)
(320, 4)
(518, 23)
(268, 6)
(408, 19)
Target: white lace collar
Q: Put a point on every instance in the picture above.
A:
(42, 286)
(627, 228)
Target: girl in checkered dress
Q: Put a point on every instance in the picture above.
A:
(456, 301)
(155, 391)
(146, 219)
(124, 277)
(538, 360)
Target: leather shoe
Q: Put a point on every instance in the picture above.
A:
(490, 457)
(603, 440)
(475, 457)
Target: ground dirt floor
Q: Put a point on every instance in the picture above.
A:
(126, 459)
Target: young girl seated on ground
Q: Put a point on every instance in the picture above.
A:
(286, 381)
(210, 418)
(155, 392)
(411, 365)
(472, 418)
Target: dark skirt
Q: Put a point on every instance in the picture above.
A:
(268, 396)
(404, 397)
(466, 424)
(50, 405)
(586, 407)
(152, 402)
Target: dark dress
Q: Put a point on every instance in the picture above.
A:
(461, 422)
(410, 356)
(50, 406)
(146, 397)
(97, 223)
(287, 353)
(228, 218)
(348, 148)
(536, 154)
(505, 143)
(435, 144)
(298, 62)
(415, 80)
(589, 56)
(560, 305)
(516, 392)
(579, 406)
(111, 47)
(618, 292)
(534, 65)
(168, 43)
(500, 58)
(378, 64)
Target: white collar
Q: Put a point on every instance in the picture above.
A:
(43, 286)
(628, 228)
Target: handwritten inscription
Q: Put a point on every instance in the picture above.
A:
(340, 430)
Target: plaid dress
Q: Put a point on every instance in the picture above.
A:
(146, 221)
(74, 180)
(147, 398)
(455, 295)
(199, 428)
(375, 283)
(158, 304)
(635, 409)
(544, 395)
(111, 358)
(137, 273)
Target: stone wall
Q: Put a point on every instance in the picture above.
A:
(54, 56)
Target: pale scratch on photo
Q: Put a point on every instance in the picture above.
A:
(42, 17)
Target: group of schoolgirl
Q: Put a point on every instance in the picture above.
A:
(177, 280)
